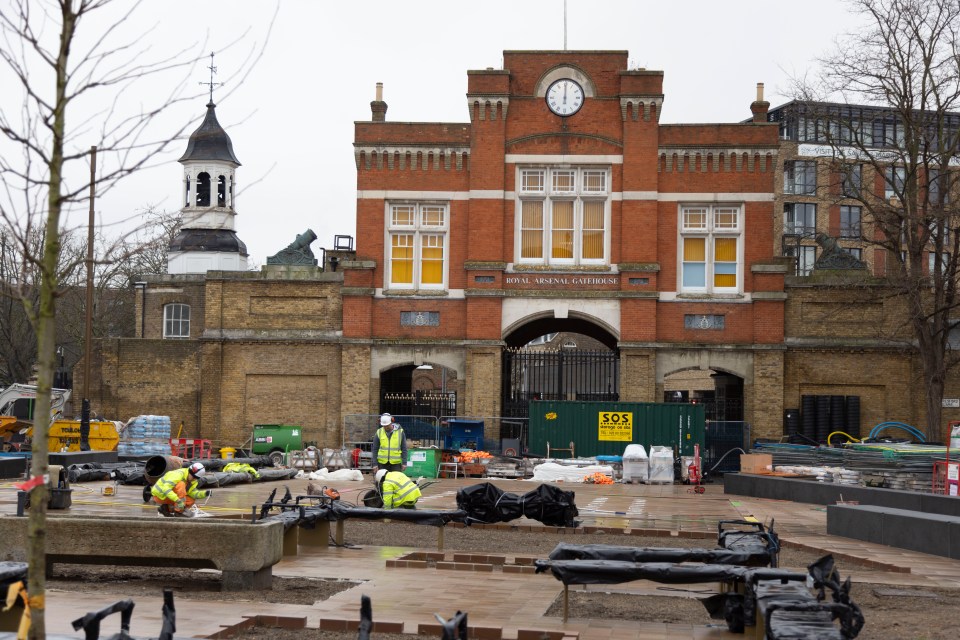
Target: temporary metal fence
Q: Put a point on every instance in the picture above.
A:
(421, 431)
(723, 437)
(499, 433)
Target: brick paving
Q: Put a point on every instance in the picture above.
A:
(495, 599)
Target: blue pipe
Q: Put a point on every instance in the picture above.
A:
(913, 431)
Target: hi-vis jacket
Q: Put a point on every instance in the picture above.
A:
(390, 449)
(241, 467)
(399, 490)
(164, 488)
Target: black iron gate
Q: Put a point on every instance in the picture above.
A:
(563, 374)
(419, 403)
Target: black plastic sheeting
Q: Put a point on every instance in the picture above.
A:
(94, 471)
(487, 504)
(618, 571)
(131, 473)
(11, 572)
(789, 608)
(564, 551)
(749, 537)
(308, 516)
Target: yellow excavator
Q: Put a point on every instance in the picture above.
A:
(16, 422)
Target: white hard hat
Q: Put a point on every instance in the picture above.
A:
(386, 420)
(380, 473)
(197, 469)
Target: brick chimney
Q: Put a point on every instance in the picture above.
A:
(760, 106)
(378, 107)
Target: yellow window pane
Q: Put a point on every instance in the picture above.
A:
(562, 243)
(563, 215)
(401, 259)
(402, 215)
(532, 215)
(431, 272)
(594, 181)
(532, 180)
(726, 218)
(694, 249)
(531, 244)
(563, 181)
(694, 218)
(725, 280)
(725, 249)
(593, 245)
(432, 216)
(593, 215)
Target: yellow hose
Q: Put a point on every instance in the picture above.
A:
(850, 438)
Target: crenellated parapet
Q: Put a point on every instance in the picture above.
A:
(707, 160)
(487, 107)
(403, 158)
(635, 107)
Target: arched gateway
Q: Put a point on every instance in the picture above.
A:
(552, 358)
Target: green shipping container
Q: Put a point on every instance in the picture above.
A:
(423, 462)
(606, 428)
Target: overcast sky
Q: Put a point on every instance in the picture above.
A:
(291, 119)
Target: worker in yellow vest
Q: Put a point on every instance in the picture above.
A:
(389, 445)
(178, 490)
(241, 467)
(398, 491)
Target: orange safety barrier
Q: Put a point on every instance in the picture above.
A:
(191, 448)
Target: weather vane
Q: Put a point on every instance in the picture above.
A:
(212, 84)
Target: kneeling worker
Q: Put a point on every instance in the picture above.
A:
(398, 491)
(177, 490)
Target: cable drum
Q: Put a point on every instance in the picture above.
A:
(838, 414)
(853, 415)
(823, 418)
(808, 416)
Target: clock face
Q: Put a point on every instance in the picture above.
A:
(564, 97)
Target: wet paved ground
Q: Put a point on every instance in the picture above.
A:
(512, 602)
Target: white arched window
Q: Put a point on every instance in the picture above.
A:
(176, 321)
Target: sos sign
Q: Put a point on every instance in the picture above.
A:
(615, 426)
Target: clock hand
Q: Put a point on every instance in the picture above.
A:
(564, 93)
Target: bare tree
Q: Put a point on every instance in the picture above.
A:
(896, 156)
(72, 57)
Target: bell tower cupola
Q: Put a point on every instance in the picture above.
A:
(207, 240)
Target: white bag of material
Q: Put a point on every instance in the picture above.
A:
(661, 465)
(636, 465)
(340, 475)
(553, 472)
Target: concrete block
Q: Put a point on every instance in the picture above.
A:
(859, 524)
(259, 580)
(954, 535)
(927, 533)
(12, 467)
(242, 551)
(914, 530)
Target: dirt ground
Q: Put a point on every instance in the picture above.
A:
(890, 612)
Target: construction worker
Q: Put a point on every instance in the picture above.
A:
(177, 490)
(398, 491)
(389, 445)
(241, 467)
